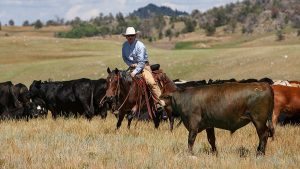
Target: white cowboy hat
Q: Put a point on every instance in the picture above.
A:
(130, 31)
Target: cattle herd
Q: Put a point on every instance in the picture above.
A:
(81, 97)
(202, 105)
(61, 98)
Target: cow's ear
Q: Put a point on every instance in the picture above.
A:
(117, 70)
(38, 83)
(108, 70)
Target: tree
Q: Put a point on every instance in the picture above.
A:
(189, 26)
(169, 34)
(11, 23)
(160, 35)
(110, 18)
(159, 22)
(104, 30)
(145, 28)
(210, 29)
(250, 24)
(134, 22)
(59, 21)
(26, 23)
(220, 16)
(231, 26)
(296, 20)
(51, 23)
(177, 34)
(121, 20)
(195, 14)
(76, 22)
(38, 24)
(279, 34)
(121, 23)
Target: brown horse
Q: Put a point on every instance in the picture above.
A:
(129, 95)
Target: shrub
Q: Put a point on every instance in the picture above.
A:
(279, 35)
(82, 30)
(210, 29)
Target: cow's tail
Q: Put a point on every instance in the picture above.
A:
(271, 129)
(270, 126)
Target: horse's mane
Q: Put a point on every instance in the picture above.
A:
(125, 75)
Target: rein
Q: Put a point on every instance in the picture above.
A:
(143, 86)
(142, 90)
(118, 91)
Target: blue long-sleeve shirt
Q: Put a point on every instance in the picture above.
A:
(135, 53)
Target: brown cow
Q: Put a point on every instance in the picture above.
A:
(228, 106)
(286, 101)
(294, 83)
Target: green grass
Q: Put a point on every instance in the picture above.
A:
(185, 45)
(39, 58)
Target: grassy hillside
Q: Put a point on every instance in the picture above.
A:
(77, 143)
(27, 58)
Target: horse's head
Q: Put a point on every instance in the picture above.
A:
(113, 86)
(117, 82)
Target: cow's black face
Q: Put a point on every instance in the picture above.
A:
(31, 110)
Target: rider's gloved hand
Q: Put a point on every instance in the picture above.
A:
(132, 74)
(133, 65)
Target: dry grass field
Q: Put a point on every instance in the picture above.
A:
(78, 143)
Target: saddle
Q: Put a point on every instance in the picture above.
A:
(155, 67)
(159, 77)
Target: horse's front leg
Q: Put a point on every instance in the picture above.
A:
(129, 118)
(131, 114)
(121, 116)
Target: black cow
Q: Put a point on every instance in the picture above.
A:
(15, 102)
(219, 81)
(99, 92)
(189, 83)
(22, 93)
(8, 98)
(81, 96)
(265, 79)
(27, 111)
(44, 94)
(228, 106)
(76, 96)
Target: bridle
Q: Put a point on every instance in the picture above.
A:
(118, 91)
